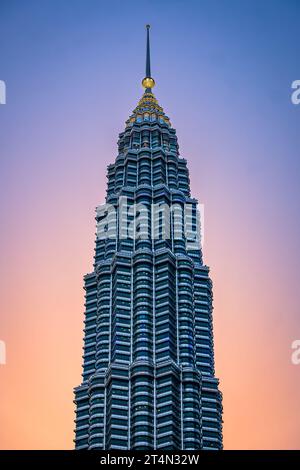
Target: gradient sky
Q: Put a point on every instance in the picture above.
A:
(223, 71)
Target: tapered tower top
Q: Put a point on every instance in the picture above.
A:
(148, 107)
(148, 82)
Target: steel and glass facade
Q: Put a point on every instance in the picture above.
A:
(148, 363)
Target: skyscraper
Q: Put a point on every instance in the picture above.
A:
(148, 363)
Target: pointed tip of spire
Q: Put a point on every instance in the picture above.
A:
(148, 82)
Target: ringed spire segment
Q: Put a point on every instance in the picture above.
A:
(148, 82)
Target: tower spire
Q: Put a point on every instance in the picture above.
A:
(148, 82)
(148, 65)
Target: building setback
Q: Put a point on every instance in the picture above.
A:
(148, 363)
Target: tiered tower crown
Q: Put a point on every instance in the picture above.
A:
(148, 108)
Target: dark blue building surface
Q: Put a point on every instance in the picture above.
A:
(148, 364)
